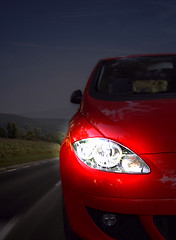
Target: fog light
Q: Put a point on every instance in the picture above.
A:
(109, 219)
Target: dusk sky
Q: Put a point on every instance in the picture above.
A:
(49, 47)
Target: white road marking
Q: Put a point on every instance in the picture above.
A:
(12, 170)
(58, 184)
(26, 166)
(31, 164)
(7, 228)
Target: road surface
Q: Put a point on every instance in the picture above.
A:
(31, 202)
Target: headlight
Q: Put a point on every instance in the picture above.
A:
(107, 155)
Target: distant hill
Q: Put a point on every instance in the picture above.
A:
(65, 112)
(47, 125)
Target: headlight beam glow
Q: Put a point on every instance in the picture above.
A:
(107, 155)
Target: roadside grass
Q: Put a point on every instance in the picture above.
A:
(17, 151)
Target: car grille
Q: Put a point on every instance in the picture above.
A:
(127, 226)
(166, 225)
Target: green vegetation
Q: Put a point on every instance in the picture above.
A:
(12, 131)
(24, 139)
(46, 125)
(17, 151)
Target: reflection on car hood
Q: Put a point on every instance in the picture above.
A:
(143, 126)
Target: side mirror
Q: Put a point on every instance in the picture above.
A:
(76, 97)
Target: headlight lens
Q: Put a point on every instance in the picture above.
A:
(107, 155)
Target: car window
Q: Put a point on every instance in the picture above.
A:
(136, 76)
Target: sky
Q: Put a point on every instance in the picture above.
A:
(48, 48)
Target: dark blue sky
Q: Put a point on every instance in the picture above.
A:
(48, 47)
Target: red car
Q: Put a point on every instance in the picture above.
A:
(118, 160)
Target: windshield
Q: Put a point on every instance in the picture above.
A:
(137, 76)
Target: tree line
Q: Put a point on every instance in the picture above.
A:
(13, 131)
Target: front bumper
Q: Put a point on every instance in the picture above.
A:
(136, 219)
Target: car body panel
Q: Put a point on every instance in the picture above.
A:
(142, 126)
(158, 184)
(146, 127)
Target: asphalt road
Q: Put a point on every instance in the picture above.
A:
(31, 202)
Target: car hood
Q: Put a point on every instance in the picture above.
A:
(143, 126)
